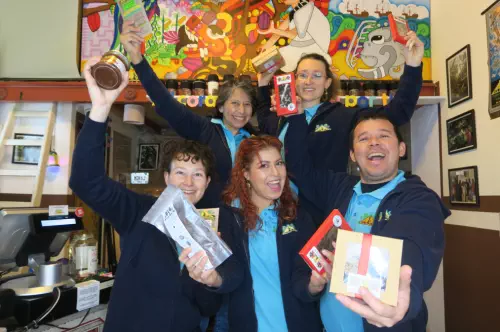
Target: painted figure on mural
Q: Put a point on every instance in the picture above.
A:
(384, 55)
(309, 31)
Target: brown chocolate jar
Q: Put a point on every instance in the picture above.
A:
(108, 71)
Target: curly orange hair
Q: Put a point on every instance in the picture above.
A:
(238, 189)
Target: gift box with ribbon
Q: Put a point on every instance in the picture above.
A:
(370, 261)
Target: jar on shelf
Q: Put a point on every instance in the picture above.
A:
(245, 78)
(228, 78)
(186, 88)
(213, 85)
(369, 88)
(393, 88)
(199, 87)
(342, 91)
(354, 88)
(83, 255)
(172, 86)
(381, 88)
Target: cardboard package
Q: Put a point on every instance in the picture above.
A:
(369, 261)
(322, 239)
(268, 60)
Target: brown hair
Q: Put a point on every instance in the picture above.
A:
(186, 150)
(331, 92)
(238, 189)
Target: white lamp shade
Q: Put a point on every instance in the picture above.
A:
(133, 114)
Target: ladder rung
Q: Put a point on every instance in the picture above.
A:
(31, 114)
(5, 204)
(18, 172)
(25, 142)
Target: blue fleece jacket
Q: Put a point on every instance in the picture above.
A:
(151, 292)
(301, 308)
(411, 212)
(190, 125)
(327, 138)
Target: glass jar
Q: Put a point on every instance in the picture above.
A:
(108, 72)
(393, 88)
(381, 88)
(354, 88)
(172, 86)
(186, 88)
(213, 85)
(199, 87)
(83, 255)
(342, 91)
(369, 88)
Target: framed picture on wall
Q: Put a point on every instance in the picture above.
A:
(148, 157)
(464, 186)
(458, 77)
(26, 154)
(492, 23)
(461, 132)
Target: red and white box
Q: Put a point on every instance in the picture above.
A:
(284, 90)
(399, 28)
(322, 239)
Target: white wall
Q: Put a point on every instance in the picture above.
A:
(425, 162)
(56, 179)
(32, 30)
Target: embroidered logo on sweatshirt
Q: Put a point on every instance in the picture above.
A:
(288, 228)
(322, 128)
(385, 216)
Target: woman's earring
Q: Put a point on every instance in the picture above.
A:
(249, 185)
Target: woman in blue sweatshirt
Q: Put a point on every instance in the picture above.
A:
(329, 122)
(223, 134)
(266, 231)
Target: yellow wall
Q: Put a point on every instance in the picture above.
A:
(38, 39)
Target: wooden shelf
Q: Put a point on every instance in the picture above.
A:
(422, 100)
(76, 91)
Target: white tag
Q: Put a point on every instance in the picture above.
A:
(354, 281)
(87, 295)
(139, 178)
(86, 259)
(58, 210)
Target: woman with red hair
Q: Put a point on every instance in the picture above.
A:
(274, 289)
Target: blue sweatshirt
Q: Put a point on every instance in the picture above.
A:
(300, 307)
(411, 212)
(190, 125)
(327, 138)
(151, 292)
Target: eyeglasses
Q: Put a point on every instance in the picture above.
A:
(316, 76)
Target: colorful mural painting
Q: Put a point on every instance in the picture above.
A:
(192, 39)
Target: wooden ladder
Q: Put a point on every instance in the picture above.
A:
(6, 140)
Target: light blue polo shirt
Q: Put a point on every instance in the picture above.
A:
(360, 216)
(233, 141)
(310, 113)
(265, 271)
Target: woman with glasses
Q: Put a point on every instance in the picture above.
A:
(330, 121)
(223, 133)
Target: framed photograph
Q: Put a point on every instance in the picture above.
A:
(459, 77)
(148, 157)
(464, 186)
(493, 36)
(25, 154)
(461, 132)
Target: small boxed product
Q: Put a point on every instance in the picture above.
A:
(370, 261)
(399, 28)
(322, 239)
(211, 216)
(270, 59)
(133, 10)
(284, 90)
(175, 216)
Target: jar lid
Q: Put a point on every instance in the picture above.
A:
(394, 85)
(354, 85)
(368, 85)
(106, 75)
(245, 78)
(382, 85)
(213, 78)
(172, 84)
(186, 84)
(344, 85)
(199, 84)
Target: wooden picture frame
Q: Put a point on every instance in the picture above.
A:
(26, 154)
(464, 186)
(461, 132)
(459, 77)
(149, 155)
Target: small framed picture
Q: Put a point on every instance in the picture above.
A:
(148, 157)
(459, 77)
(464, 186)
(461, 132)
(26, 154)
